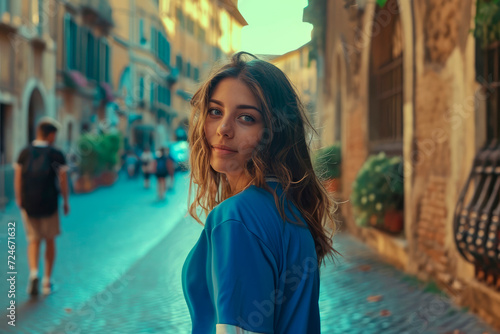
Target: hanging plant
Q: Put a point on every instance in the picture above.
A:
(487, 22)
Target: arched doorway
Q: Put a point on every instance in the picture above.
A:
(36, 110)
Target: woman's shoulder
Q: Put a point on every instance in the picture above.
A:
(254, 208)
(247, 207)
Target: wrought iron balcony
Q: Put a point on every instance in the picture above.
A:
(477, 223)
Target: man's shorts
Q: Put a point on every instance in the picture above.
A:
(41, 228)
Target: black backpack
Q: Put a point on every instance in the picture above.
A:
(40, 193)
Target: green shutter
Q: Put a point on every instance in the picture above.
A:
(141, 88)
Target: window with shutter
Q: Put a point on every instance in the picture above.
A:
(180, 17)
(178, 63)
(99, 60)
(190, 25)
(153, 40)
(166, 55)
(141, 88)
(90, 55)
(385, 117)
(71, 42)
(142, 37)
(152, 102)
(196, 74)
(107, 56)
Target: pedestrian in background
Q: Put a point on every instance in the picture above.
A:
(131, 163)
(255, 267)
(163, 168)
(40, 175)
(147, 165)
(170, 170)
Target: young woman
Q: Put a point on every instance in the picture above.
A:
(255, 267)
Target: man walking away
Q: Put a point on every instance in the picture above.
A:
(40, 174)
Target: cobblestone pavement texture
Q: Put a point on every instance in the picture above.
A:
(119, 265)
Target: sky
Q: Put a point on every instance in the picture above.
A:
(274, 26)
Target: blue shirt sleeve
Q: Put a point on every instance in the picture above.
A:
(244, 274)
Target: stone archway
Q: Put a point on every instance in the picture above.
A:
(36, 110)
(410, 22)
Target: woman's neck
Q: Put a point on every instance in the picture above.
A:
(238, 183)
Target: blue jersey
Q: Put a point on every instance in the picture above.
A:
(252, 270)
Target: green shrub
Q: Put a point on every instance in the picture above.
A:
(327, 162)
(378, 188)
(98, 152)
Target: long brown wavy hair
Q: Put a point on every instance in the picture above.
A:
(282, 151)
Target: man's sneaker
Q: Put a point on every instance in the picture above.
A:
(33, 286)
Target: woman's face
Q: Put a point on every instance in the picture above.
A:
(233, 126)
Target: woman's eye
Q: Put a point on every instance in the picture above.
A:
(213, 112)
(248, 118)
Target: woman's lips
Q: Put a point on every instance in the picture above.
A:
(222, 151)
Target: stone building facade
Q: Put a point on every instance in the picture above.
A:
(203, 33)
(422, 58)
(83, 68)
(92, 64)
(27, 78)
(301, 71)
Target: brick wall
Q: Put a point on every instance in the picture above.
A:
(432, 163)
(430, 230)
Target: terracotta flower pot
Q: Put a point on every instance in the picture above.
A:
(394, 221)
(332, 185)
(84, 184)
(107, 178)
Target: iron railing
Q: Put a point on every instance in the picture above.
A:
(477, 223)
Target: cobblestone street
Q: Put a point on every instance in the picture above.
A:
(119, 263)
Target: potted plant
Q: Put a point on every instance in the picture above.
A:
(98, 158)
(108, 148)
(378, 193)
(327, 165)
(88, 164)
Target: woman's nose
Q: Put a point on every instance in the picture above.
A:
(225, 128)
